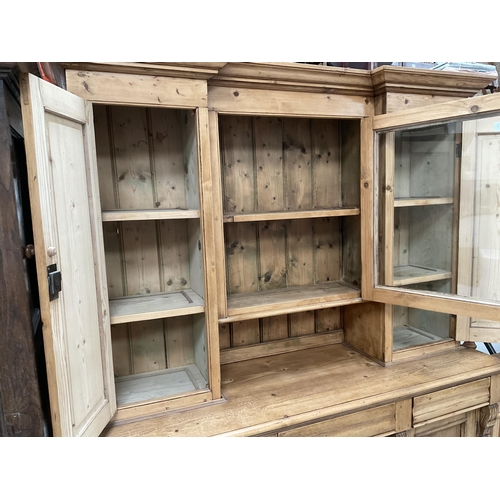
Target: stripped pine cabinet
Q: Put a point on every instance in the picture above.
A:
(230, 215)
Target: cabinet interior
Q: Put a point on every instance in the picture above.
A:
(148, 179)
(291, 208)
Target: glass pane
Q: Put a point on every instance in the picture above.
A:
(439, 218)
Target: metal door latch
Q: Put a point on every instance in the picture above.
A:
(55, 278)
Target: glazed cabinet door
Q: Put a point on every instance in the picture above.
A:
(69, 255)
(436, 202)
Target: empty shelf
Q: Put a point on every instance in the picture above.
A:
(409, 275)
(284, 300)
(290, 214)
(155, 306)
(159, 384)
(157, 214)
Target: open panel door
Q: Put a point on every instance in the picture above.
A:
(479, 263)
(66, 212)
(437, 213)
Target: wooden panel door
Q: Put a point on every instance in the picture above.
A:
(479, 236)
(66, 212)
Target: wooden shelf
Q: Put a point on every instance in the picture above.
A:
(158, 214)
(290, 214)
(160, 384)
(409, 336)
(289, 300)
(421, 202)
(155, 306)
(409, 275)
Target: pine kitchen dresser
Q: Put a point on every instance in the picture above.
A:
(249, 249)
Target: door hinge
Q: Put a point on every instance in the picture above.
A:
(458, 150)
(55, 278)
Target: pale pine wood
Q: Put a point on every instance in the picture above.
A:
(268, 157)
(132, 157)
(245, 332)
(298, 169)
(387, 204)
(367, 328)
(241, 258)
(139, 90)
(495, 389)
(321, 295)
(374, 422)
(301, 323)
(462, 108)
(417, 202)
(449, 304)
(326, 167)
(401, 101)
(274, 328)
(407, 275)
(404, 415)
(291, 214)
(449, 427)
(295, 76)
(122, 361)
(280, 346)
(238, 168)
(207, 341)
(161, 384)
(367, 203)
(236, 100)
(166, 160)
(340, 388)
(272, 255)
(220, 261)
(154, 306)
(147, 346)
(409, 336)
(65, 199)
(449, 401)
(105, 164)
(179, 341)
(143, 409)
(224, 336)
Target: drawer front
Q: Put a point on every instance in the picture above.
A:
(374, 422)
(449, 401)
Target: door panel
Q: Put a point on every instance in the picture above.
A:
(462, 220)
(479, 236)
(66, 218)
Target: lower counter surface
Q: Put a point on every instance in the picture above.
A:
(272, 393)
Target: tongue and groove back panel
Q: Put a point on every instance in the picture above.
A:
(272, 164)
(147, 160)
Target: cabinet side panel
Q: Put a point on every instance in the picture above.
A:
(105, 160)
(350, 162)
(190, 157)
(179, 341)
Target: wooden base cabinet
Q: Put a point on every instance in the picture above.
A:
(207, 253)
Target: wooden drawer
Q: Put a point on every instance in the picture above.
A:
(439, 404)
(374, 422)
